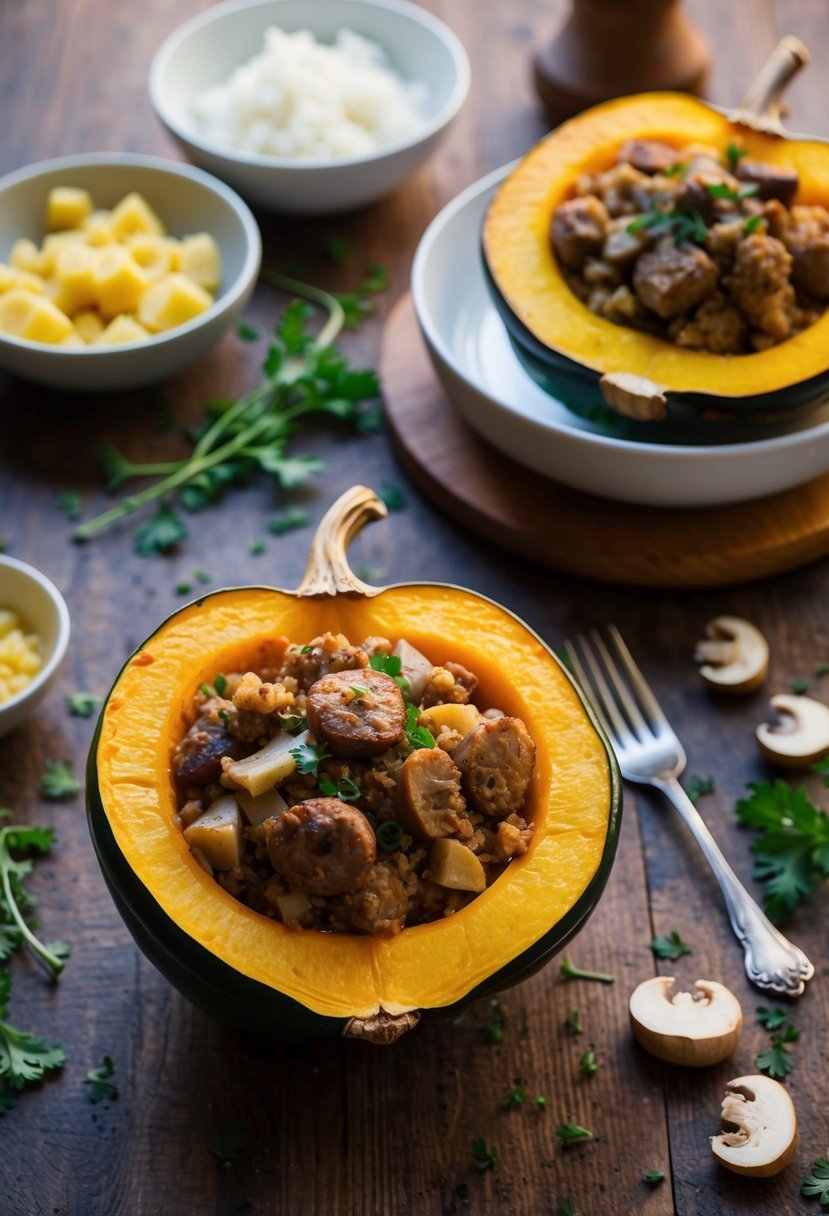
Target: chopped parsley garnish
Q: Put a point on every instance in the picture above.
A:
(752, 223)
(516, 1096)
(70, 502)
(391, 665)
(721, 190)
(563, 1207)
(293, 723)
(218, 689)
(567, 971)
(224, 716)
(671, 947)
(358, 690)
(734, 153)
(100, 1081)
(571, 1133)
(821, 668)
(344, 789)
(652, 1176)
(83, 704)
(287, 520)
(24, 1058)
(16, 901)
(681, 221)
(58, 780)
(257, 548)
(417, 736)
(791, 853)
(588, 1064)
(305, 649)
(573, 1022)
(357, 305)
(337, 249)
(308, 756)
(183, 588)
(677, 170)
(247, 332)
(389, 835)
(772, 1019)
(484, 1158)
(699, 787)
(800, 687)
(202, 576)
(496, 1021)
(816, 1183)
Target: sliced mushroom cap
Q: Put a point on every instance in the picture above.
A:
(691, 1028)
(734, 655)
(759, 1125)
(800, 736)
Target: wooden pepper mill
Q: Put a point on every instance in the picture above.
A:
(607, 48)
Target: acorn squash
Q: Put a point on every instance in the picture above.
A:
(588, 361)
(292, 985)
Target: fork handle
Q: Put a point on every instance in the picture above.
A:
(771, 961)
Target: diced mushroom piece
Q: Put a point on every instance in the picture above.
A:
(293, 905)
(265, 768)
(759, 1128)
(772, 181)
(578, 230)
(648, 155)
(453, 865)
(323, 846)
(691, 1028)
(671, 279)
(429, 795)
(800, 736)
(458, 718)
(414, 667)
(734, 656)
(496, 760)
(217, 834)
(269, 805)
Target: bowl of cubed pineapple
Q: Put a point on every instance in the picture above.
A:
(118, 270)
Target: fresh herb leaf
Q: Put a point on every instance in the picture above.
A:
(721, 190)
(391, 665)
(776, 1061)
(821, 668)
(230, 1142)
(392, 495)
(293, 722)
(290, 518)
(389, 835)
(679, 220)
(516, 1096)
(484, 1158)
(160, 533)
(539, 1103)
(416, 736)
(224, 716)
(677, 170)
(309, 756)
(671, 947)
(58, 780)
(772, 1019)
(70, 502)
(247, 332)
(83, 704)
(734, 153)
(16, 900)
(202, 576)
(699, 787)
(792, 852)
(571, 1133)
(652, 1176)
(257, 548)
(337, 249)
(752, 223)
(183, 588)
(358, 690)
(100, 1083)
(816, 1183)
(563, 1207)
(588, 1064)
(800, 687)
(496, 1021)
(344, 789)
(25, 1059)
(217, 689)
(573, 1022)
(567, 971)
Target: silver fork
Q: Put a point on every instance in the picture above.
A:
(649, 753)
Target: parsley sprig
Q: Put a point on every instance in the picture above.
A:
(679, 220)
(671, 947)
(305, 377)
(568, 971)
(309, 756)
(816, 1182)
(24, 1058)
(100, 1081)
(791, 853)
(16, 901)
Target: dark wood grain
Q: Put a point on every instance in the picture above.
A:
(342, 1128)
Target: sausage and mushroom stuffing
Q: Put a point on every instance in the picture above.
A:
(705, 250)
(352, 789)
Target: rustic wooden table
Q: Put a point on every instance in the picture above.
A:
(344, 1127)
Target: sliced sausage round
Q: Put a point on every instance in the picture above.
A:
(430, 802)
(358, 713)
(323, 846)
(198, 757)
(496, 761)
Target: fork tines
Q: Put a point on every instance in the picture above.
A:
(614, 684)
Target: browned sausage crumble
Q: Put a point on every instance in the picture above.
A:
(353, 789)
(706, 251)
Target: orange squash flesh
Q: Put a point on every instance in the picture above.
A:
(572, 798)
(524, 269)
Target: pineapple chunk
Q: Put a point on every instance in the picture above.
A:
(11, 277)
(26, 315)
(200, 260)
(67, 207)
(453, 865)
(269, 805)
(73, 340)
(119, 281)
(134, 214)
(152, 253)
(121, 329)
(172, 301)
(88, 324)
(265, 768)
(74, 278)
(97, 229)
(53, 246)
(25, 255)
(217, 834)
(460, 718)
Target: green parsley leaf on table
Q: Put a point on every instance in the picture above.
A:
(572, 1133)
(24, 1058)
(652, 1176)
(257, 548)
(816, 1182)
(777, 1061)
(16, 901)
(771, 1018)
(671, 947)
(792, 852)
(496, 1021)
(160, 533)
(247, 332)
(100, 1082)
(287, 520)
(484, 1158)
(568, 971)
(308, 756)
(573, 1022)
(83, 704)
(699, 787)
(516, 1096)
(563, 1207)
(588, 1064)
(70, 502)
(58, 780)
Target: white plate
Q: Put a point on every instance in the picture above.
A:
(482, 376)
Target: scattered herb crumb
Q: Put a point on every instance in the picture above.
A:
(652, 1176)
(247, 332)
(389, 835)
(574, 1022)
(287, 520)
(671, 947)
(230, 1142)
(83, 704)
(563, 1207)
(816, 1183)
(571, 1133)
(160, 533)
(70, 502)
(484, 1158)
(100, 1081)
(257, 548)
(699, 787)
(568, 971)
(202, 576)
(345, 789)
(337, 249)
(496, 1021)
(821, 669)
(517, 1096)
(392, 495)
(800, 687)
(58, 780)
(588, 1064)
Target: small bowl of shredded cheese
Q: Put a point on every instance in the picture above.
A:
(310, 106)
(34, 634)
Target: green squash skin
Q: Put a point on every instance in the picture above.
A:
(577, 386)
(257, 1010)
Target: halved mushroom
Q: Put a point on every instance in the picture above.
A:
(691, 1028)
(759, 1127)
(734, 655)
(800, 735)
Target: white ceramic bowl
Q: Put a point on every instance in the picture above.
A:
(186, 200)
(42, 611)
(205, 50)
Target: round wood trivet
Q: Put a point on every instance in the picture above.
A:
(566, 529)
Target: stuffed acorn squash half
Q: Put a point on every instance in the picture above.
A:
(267, 973)
(668, 260)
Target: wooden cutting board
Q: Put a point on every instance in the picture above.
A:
(534, 517)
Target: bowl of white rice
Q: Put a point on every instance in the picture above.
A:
(310, 106)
